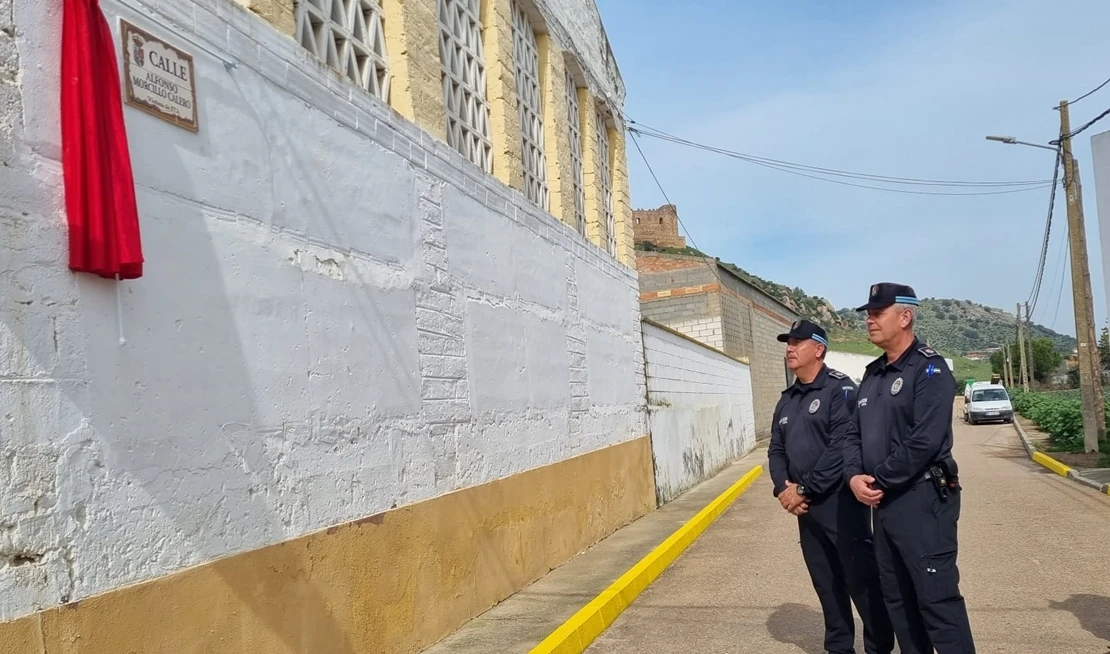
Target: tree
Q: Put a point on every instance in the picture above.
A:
(1104, 349)
(1045, 359)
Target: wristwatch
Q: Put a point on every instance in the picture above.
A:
(801, 490)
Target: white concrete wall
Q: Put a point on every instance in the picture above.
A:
(848, 363)
(1100, 154)
(339, 315)
(700, 410)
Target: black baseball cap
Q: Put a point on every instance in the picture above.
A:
(885, 294)
(803, 329)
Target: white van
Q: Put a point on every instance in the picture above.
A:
(989, 402)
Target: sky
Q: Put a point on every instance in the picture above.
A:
(890, 88)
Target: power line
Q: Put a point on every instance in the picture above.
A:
(1091, 92)
(803, 168)
(1094, 120)
(713, 267)
(793, 169)
(1035, 293)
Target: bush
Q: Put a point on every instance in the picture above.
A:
(1060, 415)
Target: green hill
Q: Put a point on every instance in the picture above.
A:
(962, 326)
(954, 327)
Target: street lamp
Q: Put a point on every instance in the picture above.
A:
(1013, 141)
(1090, 374)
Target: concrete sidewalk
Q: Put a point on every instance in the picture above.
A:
(1034, 562)
(519, 623)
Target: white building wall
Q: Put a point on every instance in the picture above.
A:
(339, 315)
(700, 407)
(1100, 154)
(848, 363)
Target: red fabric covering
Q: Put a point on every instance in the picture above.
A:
(99, 188)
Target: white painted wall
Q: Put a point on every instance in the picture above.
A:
(1100, 155)
(848, 363)
(339, 315)
(700, 410)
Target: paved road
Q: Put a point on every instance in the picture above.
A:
(1034, 561)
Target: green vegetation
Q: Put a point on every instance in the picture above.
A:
(1060, 415)
(1046, 359)
(855, 342)
(962, 326)
(648, 246)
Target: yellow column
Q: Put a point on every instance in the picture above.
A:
(504, 118)
(591, 169)
(278, 13)
(556, 131)
(622, 197)
(412, 45)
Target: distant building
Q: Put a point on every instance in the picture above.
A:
(711, 303)
(1100, 153)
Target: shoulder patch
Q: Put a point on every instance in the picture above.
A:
(928, 351)
(836, 374)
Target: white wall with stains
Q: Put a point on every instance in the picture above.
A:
(700, 410)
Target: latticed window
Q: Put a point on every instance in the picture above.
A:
(464, 80)
(574, 121)
(347, 36)
(606, 175)
(526, 57)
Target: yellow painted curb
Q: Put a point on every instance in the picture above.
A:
(1051, 463)
(576, 634)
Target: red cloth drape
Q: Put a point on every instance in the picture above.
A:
(99, 187)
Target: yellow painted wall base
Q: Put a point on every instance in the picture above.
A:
(394, 582)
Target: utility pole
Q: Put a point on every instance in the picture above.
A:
(1021, 346)
(1090, 381)
(1029, 338)
(1007, 366)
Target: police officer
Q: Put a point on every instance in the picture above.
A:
(898, 459)
(807, 466)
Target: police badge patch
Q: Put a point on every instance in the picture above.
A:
(814, 405)
(896, 387)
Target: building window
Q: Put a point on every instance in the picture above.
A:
(464, 80)
(606, 176)
(526, 57)
(574, 120)
(347, 36)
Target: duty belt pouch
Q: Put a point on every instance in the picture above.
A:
(940, 481)
(952, 473)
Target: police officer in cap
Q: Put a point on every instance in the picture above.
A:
(807, 467)
(898, 459)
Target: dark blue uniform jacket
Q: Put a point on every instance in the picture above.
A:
(810, 423)
(903, 419)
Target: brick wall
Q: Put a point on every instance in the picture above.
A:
(672, 311)
(768, 368)
(723, 311)
(647, 262)
(658, 226)
(665, 271)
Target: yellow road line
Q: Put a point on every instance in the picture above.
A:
(576, 634)
(1051, 463)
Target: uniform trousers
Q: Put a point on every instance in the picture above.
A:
(916, 547)
(835, 536)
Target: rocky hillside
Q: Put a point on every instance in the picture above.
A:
(811, 307)
(954, 327)
(961, 326)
